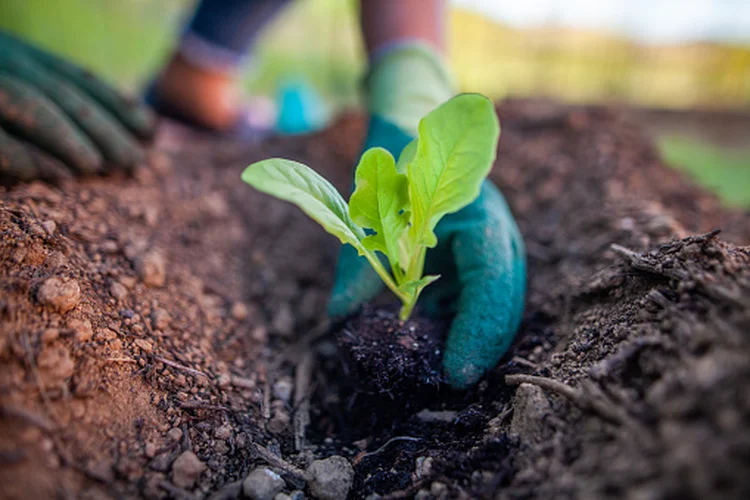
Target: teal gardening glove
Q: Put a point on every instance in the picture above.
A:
(56, 119)
(480, 252)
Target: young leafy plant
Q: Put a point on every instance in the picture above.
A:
(395, 206)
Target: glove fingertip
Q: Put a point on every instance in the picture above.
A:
(340, 307)
(461, 375)
(356, 283)
(483, 330)
(471, 353)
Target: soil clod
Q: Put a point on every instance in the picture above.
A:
(389, 357)
(60, 294)
(186, 470)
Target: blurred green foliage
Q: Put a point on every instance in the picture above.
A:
(723, 170)
(123, 41)
(586, 66)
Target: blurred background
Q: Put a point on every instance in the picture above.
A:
(681, 66)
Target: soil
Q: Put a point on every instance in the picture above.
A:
(164, 334)
(386, 369)
(384, 355)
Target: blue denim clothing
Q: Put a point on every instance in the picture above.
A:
(221, 32)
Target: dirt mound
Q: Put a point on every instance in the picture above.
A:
(163, 335)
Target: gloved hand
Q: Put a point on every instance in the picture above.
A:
(480, 254)
(56, 118)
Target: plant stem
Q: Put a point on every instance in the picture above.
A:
(397, 273)
(385, 276)
(407, 308)
(416, 268)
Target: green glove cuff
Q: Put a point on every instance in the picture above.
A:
(405, 83)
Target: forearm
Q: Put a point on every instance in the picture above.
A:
(386, 23)
(407, 76)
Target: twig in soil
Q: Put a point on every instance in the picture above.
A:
(435, 417)
(201, 405)
(169, 447)
(27, 415)
(545, 383)
(658, 298)
(362, 456)
(638, 261)
(265, 402)
(716, 292)
(243, 383)
(180, 367)
(611, 364)
(301, 399)
(278, 462)
(592, 402)
(523, 361)
(187, 443)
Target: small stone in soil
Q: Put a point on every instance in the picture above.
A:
(187, 469)
(280, 419)
(159, 319)
(262, 484)
(174, 434)
(106, 334)
(145, 345)
(239, 311)
(530, 409)
(49, 226)
(283, 321)
(118, 291)
(282, 389)
(55, 364)
(50, 335)
(423, 467)
(331, 478)
(81, 329)
(151, 268)
(438, 489)
(126, 313)
(223, 432)
(160, 462)
(59, 295)
(230, 491)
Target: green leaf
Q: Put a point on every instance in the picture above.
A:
(415, 287)
(406, 157)
(299, 184)
(456, 148)
(380, 201)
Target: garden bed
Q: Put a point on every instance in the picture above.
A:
(163, 335)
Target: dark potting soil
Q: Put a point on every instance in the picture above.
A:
(387, 357)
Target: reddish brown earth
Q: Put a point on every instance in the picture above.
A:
(163, 335)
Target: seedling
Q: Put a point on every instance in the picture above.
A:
(395, 206)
